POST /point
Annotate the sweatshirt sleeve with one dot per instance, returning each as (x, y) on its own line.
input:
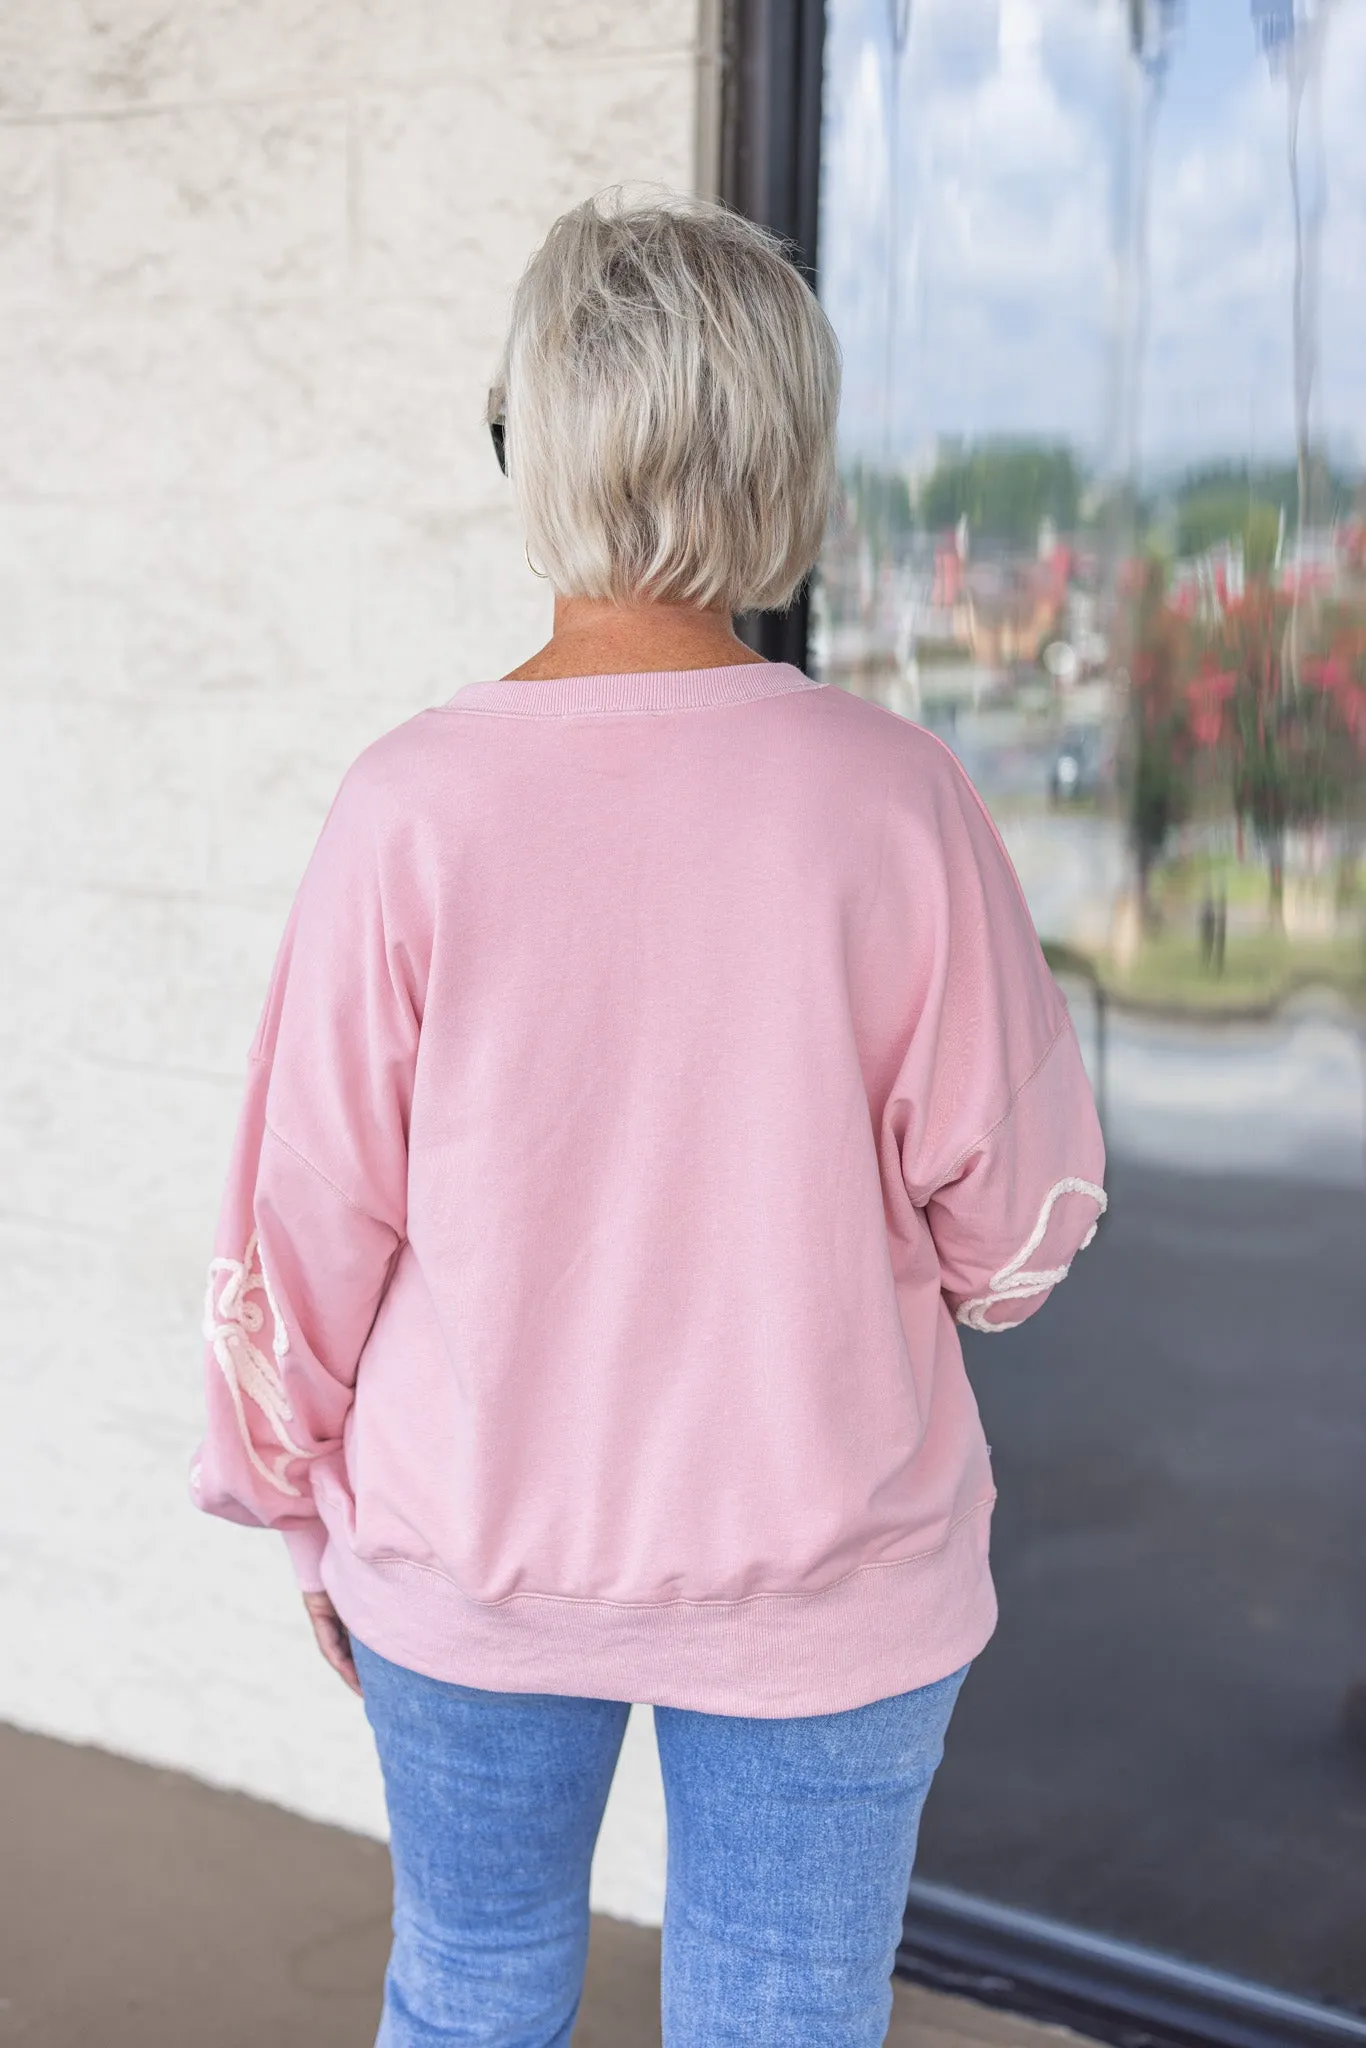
(1025, 1199)
(1001, 1147)
(313, 1212)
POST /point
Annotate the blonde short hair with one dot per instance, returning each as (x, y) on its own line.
(669, 385)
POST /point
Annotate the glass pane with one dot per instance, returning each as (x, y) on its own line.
(1095, 268)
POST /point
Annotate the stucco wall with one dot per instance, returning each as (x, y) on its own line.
(254, 260)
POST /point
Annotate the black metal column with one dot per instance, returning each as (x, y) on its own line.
(772, 57)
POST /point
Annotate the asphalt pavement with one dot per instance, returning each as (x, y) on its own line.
(1158, 1742)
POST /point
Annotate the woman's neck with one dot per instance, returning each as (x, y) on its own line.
(593, 637)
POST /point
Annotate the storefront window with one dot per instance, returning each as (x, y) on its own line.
(1096, 269)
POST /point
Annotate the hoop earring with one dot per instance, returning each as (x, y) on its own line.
(530, 564)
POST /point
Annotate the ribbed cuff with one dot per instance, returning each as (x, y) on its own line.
(306, 1547)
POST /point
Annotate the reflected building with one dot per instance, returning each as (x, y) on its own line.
(1103, 528)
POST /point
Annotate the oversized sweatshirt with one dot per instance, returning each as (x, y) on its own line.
(655, 1072)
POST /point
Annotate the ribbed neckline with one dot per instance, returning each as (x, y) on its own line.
(662, 689)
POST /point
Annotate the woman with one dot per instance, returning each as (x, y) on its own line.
(657, 1065)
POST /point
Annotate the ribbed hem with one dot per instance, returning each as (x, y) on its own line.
(883, 1629)
(664, 689)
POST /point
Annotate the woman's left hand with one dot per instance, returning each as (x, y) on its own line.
(333, 1639)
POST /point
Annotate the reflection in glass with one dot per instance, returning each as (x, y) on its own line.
(1093, 264)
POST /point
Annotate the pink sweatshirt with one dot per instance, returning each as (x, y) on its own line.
(654, 1070)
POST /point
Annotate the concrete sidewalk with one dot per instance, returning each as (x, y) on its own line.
(142, 1909)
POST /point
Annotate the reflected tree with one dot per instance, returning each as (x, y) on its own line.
(1005, 488)
(1292, 748)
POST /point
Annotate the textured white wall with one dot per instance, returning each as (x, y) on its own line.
(254, 262)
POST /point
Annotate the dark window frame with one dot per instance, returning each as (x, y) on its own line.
(771, 56)
(770, 148)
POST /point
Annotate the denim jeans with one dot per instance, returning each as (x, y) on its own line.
(790, 1845)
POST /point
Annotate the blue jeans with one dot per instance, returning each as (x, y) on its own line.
(790, 1845)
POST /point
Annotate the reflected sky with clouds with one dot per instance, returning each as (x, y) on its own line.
(1013, 115)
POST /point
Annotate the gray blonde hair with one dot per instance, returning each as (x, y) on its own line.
(669, 385)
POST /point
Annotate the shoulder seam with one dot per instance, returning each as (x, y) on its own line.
(1016, 1093)
(326, 1179)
